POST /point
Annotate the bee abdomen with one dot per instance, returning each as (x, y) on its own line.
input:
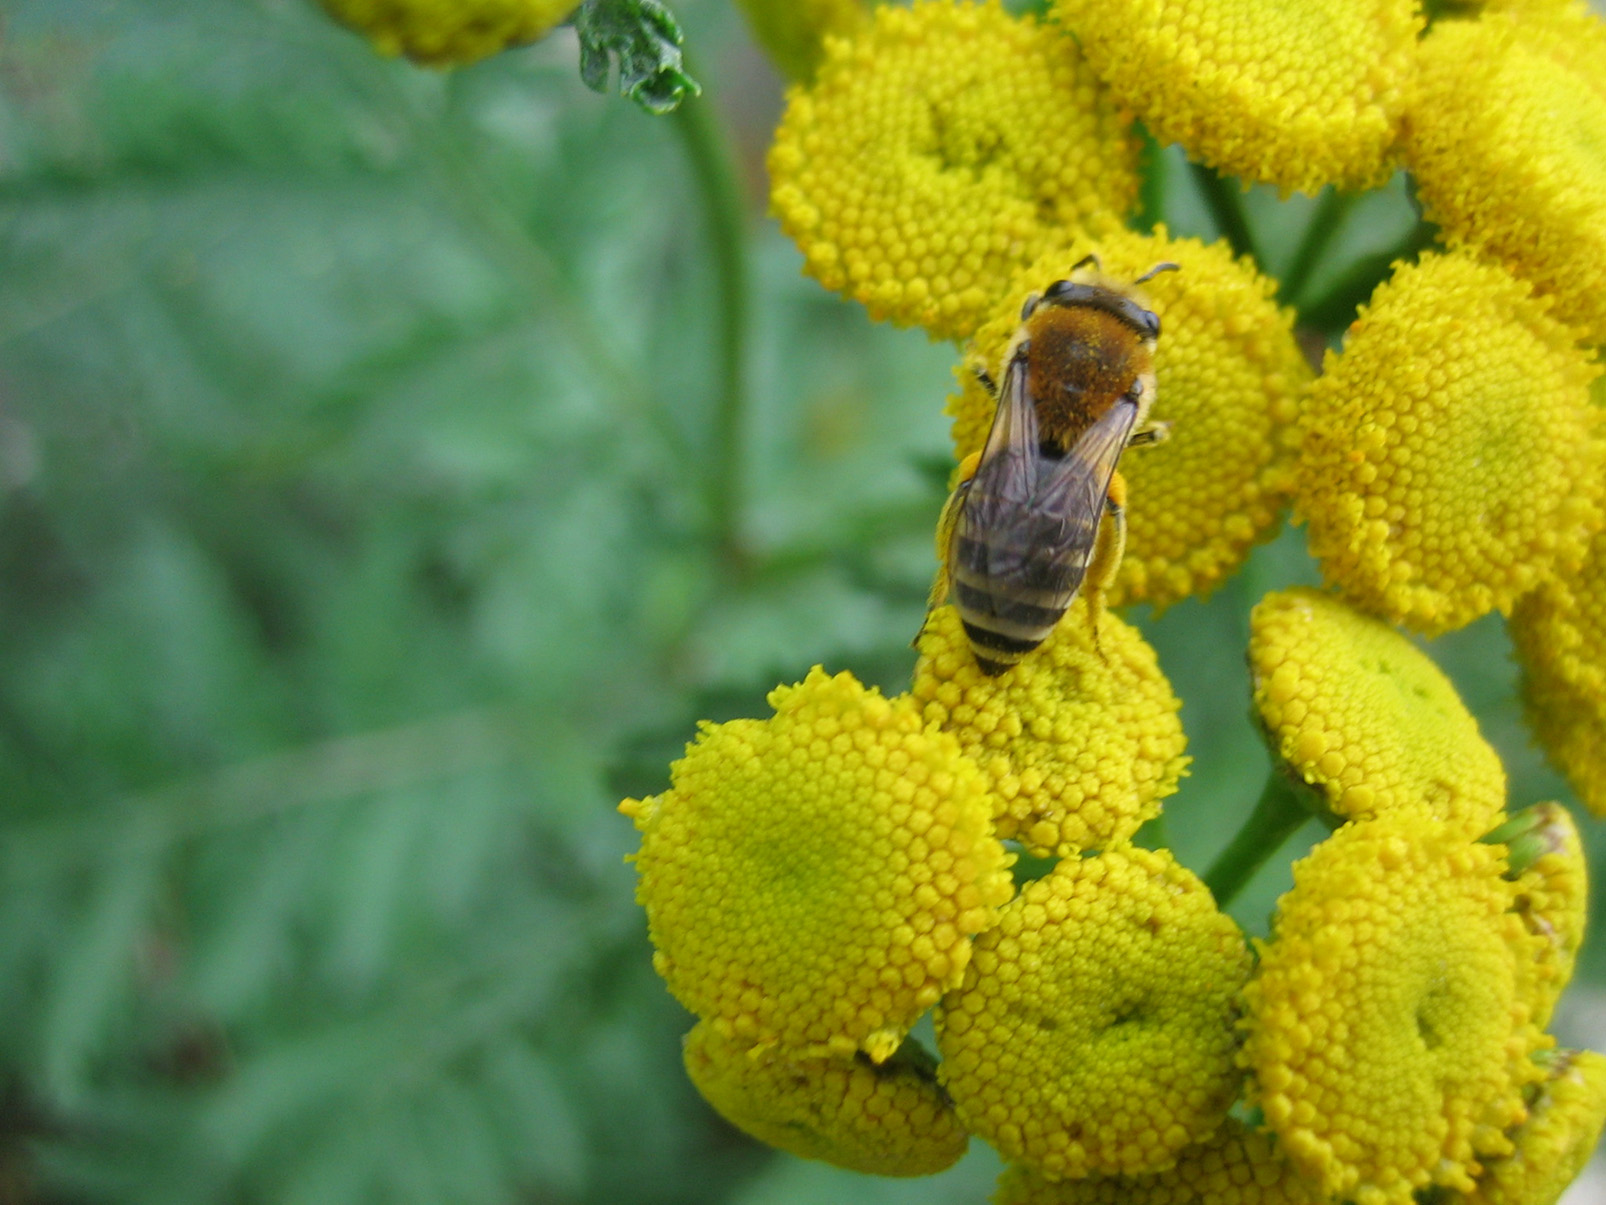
(1002, 626)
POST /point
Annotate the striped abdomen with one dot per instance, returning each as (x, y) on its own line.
(1015, 569)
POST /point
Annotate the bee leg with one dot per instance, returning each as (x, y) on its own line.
(985, 379)
(1154, 433)
(945, 539)
(1107, 550)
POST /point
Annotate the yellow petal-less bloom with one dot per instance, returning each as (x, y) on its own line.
(1094, 1032)
(1521, 182)
(1389, 1035)
(881, 1120)
(939, 152)
(1230, 377)
(793, 32)
(1297, 95)
(1553, 897)
(1079, 743)
(1235, 1166)
(447, 32)
(1358, 711)
(1556, 1141)
(1452, 456)
(1560, 634)
(813, 880)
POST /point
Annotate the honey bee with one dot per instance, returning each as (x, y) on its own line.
(1042, 508)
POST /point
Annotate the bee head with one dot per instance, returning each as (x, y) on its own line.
(1070, 293)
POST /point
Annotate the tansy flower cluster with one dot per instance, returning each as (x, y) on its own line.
(816, 881)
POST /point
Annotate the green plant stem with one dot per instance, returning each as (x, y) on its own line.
(725, 218)
(1225, 199)
(1278, 813)
(1336, 308)
(1331, 209)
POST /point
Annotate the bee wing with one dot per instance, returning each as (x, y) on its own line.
(1031, 519)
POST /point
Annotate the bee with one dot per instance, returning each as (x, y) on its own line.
(1041, 508)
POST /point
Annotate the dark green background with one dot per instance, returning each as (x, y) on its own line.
(357, 424)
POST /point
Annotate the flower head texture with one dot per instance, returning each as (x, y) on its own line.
(889, 1119)
(1361, 713)
(1552, 876)
(941, 150)
(1094, 1032)
(448, 32)
(1235, 1166)
(1230, 379)
(1078, 743)
(1297, 95)
(813, 880)
(1522, 182)
(1389, 1035)
(1563, 1126)
(1560, 634)
(1452, 456)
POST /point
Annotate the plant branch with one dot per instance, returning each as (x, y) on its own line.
(1277, 815)
(725, 218)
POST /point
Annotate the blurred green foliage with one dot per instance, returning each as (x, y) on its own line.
(358, 431)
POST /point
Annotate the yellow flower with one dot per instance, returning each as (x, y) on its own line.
(1560, 635)
(940, 151)
(1230, 376)
(1094, 1032)
(813, 880)
(1556, 1141)
(1521, 182)
(1389, 1033)
(1298, 95)
(1547, 862)
(1079, 744)
(882, 1120)
(447, 32)
(1234, 1167)
(1452, 457)
(1358, 711)
(793, 32)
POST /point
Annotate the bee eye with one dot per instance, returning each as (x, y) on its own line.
(1057, 290)
(1029, 305)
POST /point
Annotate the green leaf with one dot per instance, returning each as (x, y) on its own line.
(645, 37)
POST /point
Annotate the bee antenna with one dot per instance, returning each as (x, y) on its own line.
(1084, 261)
(1167, 266)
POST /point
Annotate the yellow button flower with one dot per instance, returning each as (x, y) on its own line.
(1452, 457)
(447, 32)
(882, 1120)
(1230, 378)
(1236, 1166)
(813, 880)
(1389, 1035)
(1547, 862)
(1521, 182)
(793, 32)
(1079, 743)
(1298, 95)
(1361, 713)
(1560, 635)
(944, 149)
(1556, 1141)
(1094, 1032)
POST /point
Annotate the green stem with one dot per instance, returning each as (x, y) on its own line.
(1336, 308)
(1225, 199)
(1277, 815)
(726, 220)
(1331, 209)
